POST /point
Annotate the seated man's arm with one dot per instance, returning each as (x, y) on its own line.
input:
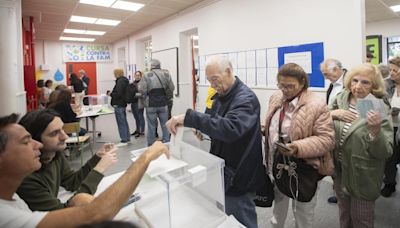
(107, 205)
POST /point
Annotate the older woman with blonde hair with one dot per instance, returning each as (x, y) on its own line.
(298, 133)
(118, 101)
(362, 146)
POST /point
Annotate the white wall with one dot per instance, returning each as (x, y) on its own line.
(231, 25)
(385, 28)
(12, 93)
(51, 54)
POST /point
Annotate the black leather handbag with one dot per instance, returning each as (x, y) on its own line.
(295, 178)
(265, 194)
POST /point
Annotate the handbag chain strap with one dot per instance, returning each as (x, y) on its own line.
(288, 165)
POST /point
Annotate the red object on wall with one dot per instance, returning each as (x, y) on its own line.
(89, 67)
(28, 47)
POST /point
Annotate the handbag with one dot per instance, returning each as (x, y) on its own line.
(295, 178)
(265, 194)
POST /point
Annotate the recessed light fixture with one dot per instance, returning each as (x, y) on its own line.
(95, 33)
(131, 6)
(395, 8)
(89, 20)
(86, 32)
(124, 5)
(104, 3)
(107, 22)
(77, 39)
(92, 20)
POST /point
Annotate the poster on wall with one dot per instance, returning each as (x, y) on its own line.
(87, 53)
(308, 56)
(374, 46)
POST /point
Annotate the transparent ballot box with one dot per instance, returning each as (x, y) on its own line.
(185, 191)
(101, 99)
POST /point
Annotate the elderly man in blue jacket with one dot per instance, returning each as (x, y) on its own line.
(234, 128)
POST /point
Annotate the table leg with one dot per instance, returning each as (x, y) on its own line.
(94, 129)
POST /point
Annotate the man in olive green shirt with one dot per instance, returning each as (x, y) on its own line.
(40, 189)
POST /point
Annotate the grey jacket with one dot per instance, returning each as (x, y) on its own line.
(155, 86)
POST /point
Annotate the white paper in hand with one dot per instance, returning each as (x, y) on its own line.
(175, 141)
(371, 103)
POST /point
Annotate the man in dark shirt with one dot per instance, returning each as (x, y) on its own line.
(85, 79)
(234, 128)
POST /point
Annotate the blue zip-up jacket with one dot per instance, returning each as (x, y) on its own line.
(234, 128)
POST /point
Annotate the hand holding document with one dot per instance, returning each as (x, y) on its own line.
(371, 103)
(163, 165)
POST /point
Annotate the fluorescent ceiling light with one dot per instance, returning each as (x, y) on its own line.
(77, 39)
(76, 31)
(89, 20)
(87, 32)
(395, 8)
(96, 33)
(107, 22)
(104, 3)
(131, 6)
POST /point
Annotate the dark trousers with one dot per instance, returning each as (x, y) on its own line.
(391, 163)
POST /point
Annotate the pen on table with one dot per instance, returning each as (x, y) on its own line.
(133, 198)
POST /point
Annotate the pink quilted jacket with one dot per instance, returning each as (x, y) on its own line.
(311, 128)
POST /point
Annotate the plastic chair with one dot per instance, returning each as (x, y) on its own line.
(76, 143)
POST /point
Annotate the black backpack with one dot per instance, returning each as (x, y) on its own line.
(130, 93)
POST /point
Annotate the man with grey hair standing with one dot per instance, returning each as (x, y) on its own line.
(333, 70)
(157, 86)
(234, 128)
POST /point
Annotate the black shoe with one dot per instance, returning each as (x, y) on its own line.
(156, 135)
(138, 135)
(388, 190)
(134, 133)
(332, 199)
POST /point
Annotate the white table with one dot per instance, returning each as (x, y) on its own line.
(94, 111)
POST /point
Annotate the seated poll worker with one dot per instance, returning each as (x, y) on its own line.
(234, 128)
(40, 189)
(20, 156)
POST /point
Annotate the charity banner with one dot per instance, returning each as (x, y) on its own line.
(87, 53)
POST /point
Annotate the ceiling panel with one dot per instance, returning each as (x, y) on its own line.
(52, 16)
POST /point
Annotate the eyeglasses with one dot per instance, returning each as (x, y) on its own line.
(286, 87)
(363, 83)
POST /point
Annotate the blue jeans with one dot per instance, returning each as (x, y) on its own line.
(139, 118)
(152, 113)
(123, 127)
(243, 208)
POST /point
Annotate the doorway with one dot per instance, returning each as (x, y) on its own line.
(90, 68)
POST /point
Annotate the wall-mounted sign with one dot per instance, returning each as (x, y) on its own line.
(87, 53)
(374, 46)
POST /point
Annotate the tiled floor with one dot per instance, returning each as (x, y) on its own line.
(387, 211)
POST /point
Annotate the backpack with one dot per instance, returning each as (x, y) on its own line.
(130, 93)
(168, 91)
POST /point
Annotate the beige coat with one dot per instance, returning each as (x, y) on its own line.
(311, 128)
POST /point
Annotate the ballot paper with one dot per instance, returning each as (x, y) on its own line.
(371, 103)
(163, 165)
